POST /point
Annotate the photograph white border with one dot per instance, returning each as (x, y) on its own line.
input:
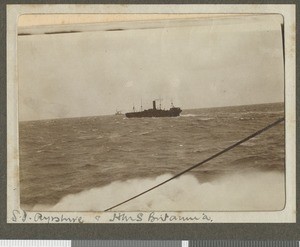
(16, 215)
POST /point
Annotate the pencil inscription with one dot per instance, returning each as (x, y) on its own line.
(21, 215)
(155, 217)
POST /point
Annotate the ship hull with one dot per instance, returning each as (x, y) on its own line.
(173, 112)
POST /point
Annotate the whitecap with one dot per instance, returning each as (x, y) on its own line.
(254, 190)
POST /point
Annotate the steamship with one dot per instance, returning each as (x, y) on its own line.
(154, 112)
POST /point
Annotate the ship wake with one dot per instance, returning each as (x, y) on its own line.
(253, 191)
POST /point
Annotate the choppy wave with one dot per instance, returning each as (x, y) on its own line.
(188, 115)
(254, 190)
(199, 117)
(206, 118)
(100, 150)
(264, 112)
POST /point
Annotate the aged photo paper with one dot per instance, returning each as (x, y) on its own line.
(151, 114)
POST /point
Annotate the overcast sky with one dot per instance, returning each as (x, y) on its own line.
(221, 62)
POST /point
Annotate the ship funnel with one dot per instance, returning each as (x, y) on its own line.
(154, 105)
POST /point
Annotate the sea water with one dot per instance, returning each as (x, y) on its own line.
(92, 163)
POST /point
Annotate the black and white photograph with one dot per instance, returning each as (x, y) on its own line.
(140, 113)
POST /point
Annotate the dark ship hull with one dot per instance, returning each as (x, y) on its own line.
(173, 112)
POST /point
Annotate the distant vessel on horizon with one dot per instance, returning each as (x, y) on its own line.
(154, 112)
(118, 113)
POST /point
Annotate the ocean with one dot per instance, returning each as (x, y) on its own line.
(91, 163)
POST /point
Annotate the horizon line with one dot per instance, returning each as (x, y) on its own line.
(44, 119)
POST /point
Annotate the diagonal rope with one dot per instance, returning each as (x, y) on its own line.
(202, 162)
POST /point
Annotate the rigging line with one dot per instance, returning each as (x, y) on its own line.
(202, 162)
